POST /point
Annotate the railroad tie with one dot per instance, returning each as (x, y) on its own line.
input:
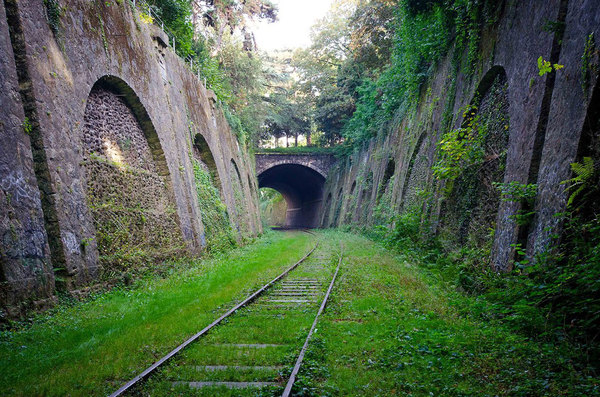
(239, 367)
(229, 385)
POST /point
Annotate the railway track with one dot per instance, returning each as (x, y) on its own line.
(258, 345)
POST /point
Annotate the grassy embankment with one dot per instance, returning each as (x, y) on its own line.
(91, 348)
(393, 327)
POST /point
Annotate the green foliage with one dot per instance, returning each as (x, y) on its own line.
(525, 194)
(553, 300)
(583, 181)
(298, 150)
(27, 126)
(516, 191)
(235, 123)
(176, 16)
(423, 32)
(461, 148)
(217, 227)
(209, 68)
(395, 326)
(546, 66)
(53, 13)
(589, 63)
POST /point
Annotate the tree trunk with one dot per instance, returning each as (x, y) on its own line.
(287, 140)
(296, 140)
(308, 139)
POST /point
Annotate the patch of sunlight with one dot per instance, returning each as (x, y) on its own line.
(113, 152)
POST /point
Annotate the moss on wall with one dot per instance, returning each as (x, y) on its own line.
(132, 205)
(217, 227)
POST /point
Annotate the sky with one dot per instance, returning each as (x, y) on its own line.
(292, 28)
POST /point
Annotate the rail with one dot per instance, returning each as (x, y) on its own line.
(145, 373)
(288, 388)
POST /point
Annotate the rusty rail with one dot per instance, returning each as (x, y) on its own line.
(288, 388)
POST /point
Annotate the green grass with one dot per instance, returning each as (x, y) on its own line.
(394, 328)
(281, 328)
(91, 348)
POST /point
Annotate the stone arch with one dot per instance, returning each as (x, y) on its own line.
(237, 185)
(129, 188)
(128, 96)
(209, 194)
(471, 207)
(203, 153)
(390, 170)
(312, 166)
(302, 188)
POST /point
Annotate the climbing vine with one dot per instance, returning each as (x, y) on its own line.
(461, 147)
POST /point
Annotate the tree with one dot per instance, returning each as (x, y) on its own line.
(215, 17)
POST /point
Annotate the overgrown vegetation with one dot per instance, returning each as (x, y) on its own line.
(370, 59)
(553, 300)
(298, 150)
(397, 326)
(92, 347)
(217, 227)
(215, 36)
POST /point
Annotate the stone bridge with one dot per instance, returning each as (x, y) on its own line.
(300, 178)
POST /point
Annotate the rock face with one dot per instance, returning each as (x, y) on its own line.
(102, 124)
(535, 127)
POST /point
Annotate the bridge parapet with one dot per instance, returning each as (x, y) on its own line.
(320, 163)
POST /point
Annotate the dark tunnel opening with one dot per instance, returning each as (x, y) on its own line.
(302, 189)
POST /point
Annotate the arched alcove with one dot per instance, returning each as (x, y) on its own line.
(241, 215)
(302, 189)
(390, 169)
(470, 209)
(209, 195)
(203, 153)
(128, 185)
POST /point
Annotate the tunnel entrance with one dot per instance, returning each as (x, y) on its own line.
(302, 189)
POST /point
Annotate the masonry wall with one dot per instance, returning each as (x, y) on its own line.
(537, 123)
(56, 167)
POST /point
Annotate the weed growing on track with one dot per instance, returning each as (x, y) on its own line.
(91, 348)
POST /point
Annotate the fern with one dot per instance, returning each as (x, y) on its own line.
(584, 177)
